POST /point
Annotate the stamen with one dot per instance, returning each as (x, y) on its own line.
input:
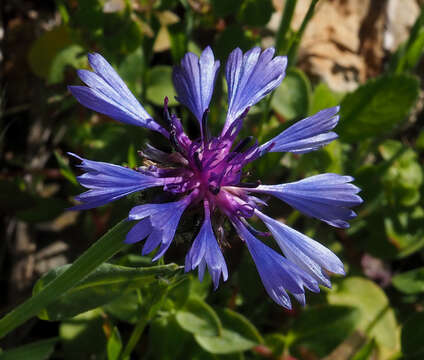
(214, 189)
(248, 184)
(175, 143)
(166, 115)
(240, 147)
(205, 129)
(197, 161)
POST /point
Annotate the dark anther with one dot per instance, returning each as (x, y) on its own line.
(197, 160)
(166, 115)
(214, 189)
(175, 143)
(242, 144)
(205, 128)
(249, 184)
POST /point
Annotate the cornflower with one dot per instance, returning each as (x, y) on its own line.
(207, 172)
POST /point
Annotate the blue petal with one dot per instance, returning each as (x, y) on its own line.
(306, 135)
(164, 219)
(205, 251)
(250, 77)
(306, 253)
(139, 232)
(107, 94)
(109, 182)
(278, 274)
(194, 81)
(327, 197)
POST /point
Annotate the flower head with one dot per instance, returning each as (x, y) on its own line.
(207, 172)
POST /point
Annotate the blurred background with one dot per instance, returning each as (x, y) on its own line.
(362, 54)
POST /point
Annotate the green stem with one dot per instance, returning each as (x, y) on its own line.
(286, 19)
(280, 46)
(102, 250)
(135, 336)
(297, 37)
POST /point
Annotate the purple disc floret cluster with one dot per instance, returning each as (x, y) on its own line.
(207, 172)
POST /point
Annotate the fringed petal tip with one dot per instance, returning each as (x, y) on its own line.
(250, 77)
(106, 93)
(306, 135)
(194, 81)
(327, 197)
(306, 253)
(278, 274)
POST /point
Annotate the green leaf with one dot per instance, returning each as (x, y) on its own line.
(105, 284)
(238, 334)
(46, 48)
(65, 169)
(131, 70)
(40, 350)
(167, 339)
(255, 12)
(199, 318)
(99, 252)
(323, 98)
(376, 318)
(377, 107)
(160, 85)
(410, 282)
(72, 55)
(233, 34)
(223, 8)
(291, 99)
(412, 337)
(125, 308)
(365, 352)
(321, 329)
(114, 345)
(83, 337)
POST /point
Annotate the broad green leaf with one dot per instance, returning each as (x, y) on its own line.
(377, 107)
(83, 337)
(40, 350)
(376, 318)
(412, 337)
(46, 48)
(223, 8)
(114, 344)
(167, 339)
(198, 318)
(131, 71)
(323, 98)
(233, 34)
(255, 12)
(404, 177)
(410, 282)
(291, 99)
(321, 329)
(105, 284)
(160, 85)
(238, 334)
(125, 308)
(72, 55)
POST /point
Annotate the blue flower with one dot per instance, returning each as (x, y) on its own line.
(207, 172)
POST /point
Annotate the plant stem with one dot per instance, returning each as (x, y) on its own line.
(135, 336)
(297, 37)
(281, 36)
(102, 250)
